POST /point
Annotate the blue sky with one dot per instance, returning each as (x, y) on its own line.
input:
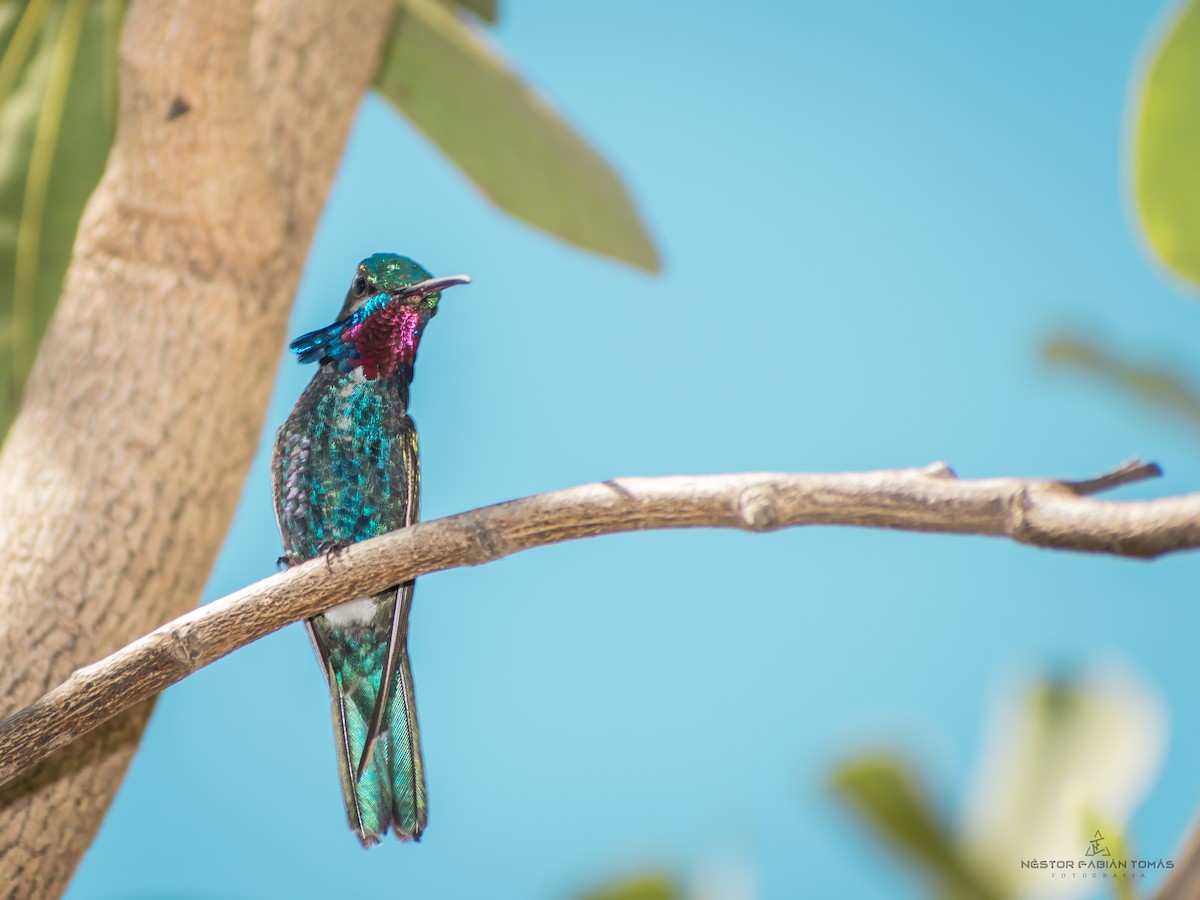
(908, 199)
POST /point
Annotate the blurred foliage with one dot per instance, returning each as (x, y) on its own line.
(650, 886)
(1166, 189)
(443, 76)
(1063, 759)
(57, 116)
(1155, 385)
(58, 98)
(1117, 846)
(1059, 758)
(485, 9)
(1166, 143)
(885, 793)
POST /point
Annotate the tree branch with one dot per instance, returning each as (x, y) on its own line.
(1183, 882)
(1055, 514)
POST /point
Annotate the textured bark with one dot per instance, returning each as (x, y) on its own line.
(1183, 882)
(1046, 513)
(121, 474)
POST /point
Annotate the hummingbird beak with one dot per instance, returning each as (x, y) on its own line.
(432, 286)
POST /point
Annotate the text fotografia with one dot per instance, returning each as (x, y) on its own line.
(1099, 863)
(1125, 869)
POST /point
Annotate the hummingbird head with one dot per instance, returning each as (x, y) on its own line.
(390, 300)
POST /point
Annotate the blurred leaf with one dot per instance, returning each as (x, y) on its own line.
(57, 116)
(885, 793)
(442, 75)
(485, 9)
(642, 887)
(1117, 846)
(1060, 755)
(1166, 144)
(1155, 385)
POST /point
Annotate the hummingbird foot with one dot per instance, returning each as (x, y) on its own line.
(330, 550)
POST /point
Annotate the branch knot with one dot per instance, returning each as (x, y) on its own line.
(757, 508)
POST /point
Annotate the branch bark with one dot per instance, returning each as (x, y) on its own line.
(1058, 514)
(1183, 882)
(121, 474)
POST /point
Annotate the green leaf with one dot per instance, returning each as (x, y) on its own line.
(642, 887)
(441, 74)
(886, 794)
(485, 9)
(1152, 384)
(1166, 144)
(57, 116)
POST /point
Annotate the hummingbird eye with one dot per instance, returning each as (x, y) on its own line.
(360, 285)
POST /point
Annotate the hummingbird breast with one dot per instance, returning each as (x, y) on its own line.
(345, 463)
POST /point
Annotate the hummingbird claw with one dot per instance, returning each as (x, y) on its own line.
(330, 550)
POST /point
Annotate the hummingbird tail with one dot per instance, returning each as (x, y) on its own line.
(387, 789)
(391, 790)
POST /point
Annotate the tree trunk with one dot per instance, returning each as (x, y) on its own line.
(121, 474)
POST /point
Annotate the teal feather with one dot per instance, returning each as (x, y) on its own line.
(390, 791)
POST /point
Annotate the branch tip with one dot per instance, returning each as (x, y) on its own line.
(1128, 473)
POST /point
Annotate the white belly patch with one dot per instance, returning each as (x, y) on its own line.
(360, 611)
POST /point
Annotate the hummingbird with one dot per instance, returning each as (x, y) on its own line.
(346, 468)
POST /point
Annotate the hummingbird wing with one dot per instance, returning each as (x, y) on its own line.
(338, 485)
(398, 634)
(368, 674)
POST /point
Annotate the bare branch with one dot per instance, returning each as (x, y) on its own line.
(1045, 513)
(1132, 471)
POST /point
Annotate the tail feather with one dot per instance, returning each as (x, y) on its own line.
(390, 792)
(406, 767)
(368, 803)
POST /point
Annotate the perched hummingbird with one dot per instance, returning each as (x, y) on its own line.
(346, 469)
